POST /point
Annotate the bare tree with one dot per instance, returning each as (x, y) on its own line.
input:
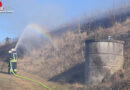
(7, 40)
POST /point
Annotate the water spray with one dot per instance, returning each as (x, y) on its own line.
(12, 69)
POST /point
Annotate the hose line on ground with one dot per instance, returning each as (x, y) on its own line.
(43, 85)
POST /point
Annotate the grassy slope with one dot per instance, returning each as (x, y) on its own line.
(70, 51)
(8, 82)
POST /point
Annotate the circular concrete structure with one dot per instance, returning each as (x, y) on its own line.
(103, 57)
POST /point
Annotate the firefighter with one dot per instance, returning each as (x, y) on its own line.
(12, 61)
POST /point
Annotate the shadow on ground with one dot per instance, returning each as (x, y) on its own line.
(73, 75)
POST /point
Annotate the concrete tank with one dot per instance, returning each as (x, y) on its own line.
(103, 57)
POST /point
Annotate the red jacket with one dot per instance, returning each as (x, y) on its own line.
(0, 4)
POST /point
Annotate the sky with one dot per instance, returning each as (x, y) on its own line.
(48, 13)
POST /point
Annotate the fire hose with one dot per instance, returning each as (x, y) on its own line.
(40, 83)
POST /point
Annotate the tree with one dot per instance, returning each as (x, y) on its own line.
(7, 40)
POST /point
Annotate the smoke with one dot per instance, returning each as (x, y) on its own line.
(45, 13)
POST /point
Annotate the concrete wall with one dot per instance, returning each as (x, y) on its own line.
(104, 57)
